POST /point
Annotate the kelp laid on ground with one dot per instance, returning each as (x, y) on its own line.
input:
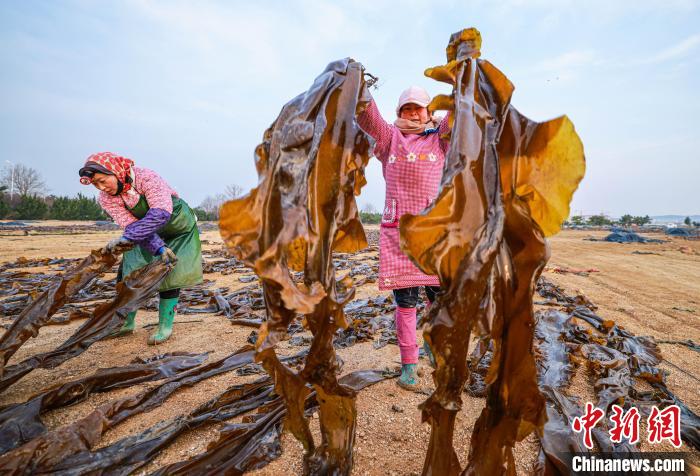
(620, 235)
(133, 452)
(23, 262)
(44, 452)
(617, 359)
(107, 318)
(507, 184)
(41, 309)
(26, 230)
(255, 442)
(244, 446)
(311, 165)
(20, 422)
(555, 368)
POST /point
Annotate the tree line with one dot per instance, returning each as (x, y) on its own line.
(22, 197)
(602, 220)
(624, 220)
(34, 207)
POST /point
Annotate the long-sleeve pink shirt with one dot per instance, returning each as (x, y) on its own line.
(412, 167)
(158, 194)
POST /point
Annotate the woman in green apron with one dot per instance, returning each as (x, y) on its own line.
(154, 218)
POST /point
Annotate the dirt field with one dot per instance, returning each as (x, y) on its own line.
(649, 294)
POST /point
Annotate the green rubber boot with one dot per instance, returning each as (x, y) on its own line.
(128, 327)
(166, 316)
(409, 377)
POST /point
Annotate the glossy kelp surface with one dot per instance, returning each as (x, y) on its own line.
(133, 452)
(310, 166)
(255, 442)
(20, 422)
(507, 183)
(46, 451)
(617, 361)
(40, 310)
(555, 368)
(106, 318)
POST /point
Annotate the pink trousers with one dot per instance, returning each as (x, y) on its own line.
(406, 334)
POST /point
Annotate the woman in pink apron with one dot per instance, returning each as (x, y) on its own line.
(412, 154)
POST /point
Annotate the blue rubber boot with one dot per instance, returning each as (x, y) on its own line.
(409, 377)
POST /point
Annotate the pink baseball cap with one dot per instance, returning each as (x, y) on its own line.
(413, 95)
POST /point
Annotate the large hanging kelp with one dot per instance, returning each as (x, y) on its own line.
(507, 183)
(311, 165)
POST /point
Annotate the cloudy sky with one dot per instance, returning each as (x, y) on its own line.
(187, 88)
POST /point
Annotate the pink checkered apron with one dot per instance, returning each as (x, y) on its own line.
(412, 167)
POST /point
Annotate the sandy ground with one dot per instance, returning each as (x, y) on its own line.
(648, 294)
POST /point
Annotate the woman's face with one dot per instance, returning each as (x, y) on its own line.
(105, 183)
(414, 112)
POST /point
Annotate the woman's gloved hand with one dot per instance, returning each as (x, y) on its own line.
(113, 245)
(167, 255)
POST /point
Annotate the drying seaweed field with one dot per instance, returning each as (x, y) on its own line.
(614, 321)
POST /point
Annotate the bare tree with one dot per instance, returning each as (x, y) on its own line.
(233, 191)
(212, 203)
(23, 180)
(369, 208)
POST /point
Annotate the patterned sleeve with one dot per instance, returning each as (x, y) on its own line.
(444, 128)
(372, 122)
(114, 206)
(156, 190)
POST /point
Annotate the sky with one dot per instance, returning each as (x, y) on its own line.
(188, 88)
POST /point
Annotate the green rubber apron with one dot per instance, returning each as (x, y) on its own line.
(180, 235)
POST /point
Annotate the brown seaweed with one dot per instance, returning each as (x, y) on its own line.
(133, 452)
(57, 229)
(311, 165)
(616, 358)
(243, 445)
(555, 367)
(484, 238)
(49, 301)
(131, 292)
(20, 422)
(253, 444)
(46, 451)
(479, 364)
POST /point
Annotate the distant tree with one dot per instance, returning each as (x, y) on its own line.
(30, 207)
(370, 218)
(577, 220)
(626, 220)
(641, 220)
(202, 215)
(369, 208)
(212, 203)
(4, 206)
(61, 209)
(233, 191)
(79, 208)
(599, 220)
(23, 180)
(688, 221)
(696, 223)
